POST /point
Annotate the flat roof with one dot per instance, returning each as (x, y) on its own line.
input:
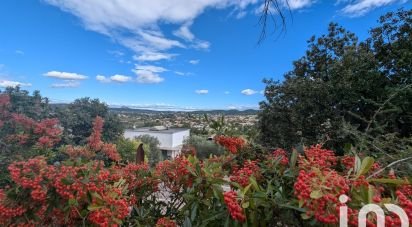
(164, 131)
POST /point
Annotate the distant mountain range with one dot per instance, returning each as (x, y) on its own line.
(126, 109)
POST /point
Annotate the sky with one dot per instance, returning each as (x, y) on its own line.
(164, 54)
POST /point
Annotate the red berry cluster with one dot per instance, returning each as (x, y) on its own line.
(139, 179)
(94, 139)
(405, 199)
(44, 133)
(281, 154)
(4, 103)
(235, 210)
(79, 152)
(80, 186)
(32, 174)
(242, 175)
(175, 173)
(165, 222)
(49, 131)
(7, 212)
(232, 144)
(111, 214)
(96, 144)
(319, 191)
(317, 157)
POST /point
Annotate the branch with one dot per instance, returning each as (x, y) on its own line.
(267, 12)
(392, 96)
(391, 164)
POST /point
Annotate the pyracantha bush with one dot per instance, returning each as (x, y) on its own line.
(232, 144)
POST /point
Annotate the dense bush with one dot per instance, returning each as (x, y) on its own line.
(91, 186)
(204, 147)
(151, 148)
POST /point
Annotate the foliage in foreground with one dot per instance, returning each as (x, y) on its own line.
(245, 186)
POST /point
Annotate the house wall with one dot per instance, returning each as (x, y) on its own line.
(180, 137)
(167, 140)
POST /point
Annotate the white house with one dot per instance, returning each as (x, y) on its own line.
(171, 139)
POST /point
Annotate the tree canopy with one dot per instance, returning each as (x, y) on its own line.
(343, 80)
(77, 117)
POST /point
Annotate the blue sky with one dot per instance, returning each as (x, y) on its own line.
(162, 54)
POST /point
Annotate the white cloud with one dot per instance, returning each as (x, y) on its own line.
(202, 92)
(157, 106)
(361, 7)
(158, 41)
(67, 84)
(194, 61)
(298, 4)
(201, 44)
(248, 92)
(149, 74)
(65, 75)
(102, 79)
(19, 52)
(180, 73)
(9, 83)
(151, 68)
(184, 32)
(120, 78)
(153, 56)
(286, 4)
(149, 78)
(115, 78)
(227, 92)
(136, 23)
(116, 53)
(243, 107)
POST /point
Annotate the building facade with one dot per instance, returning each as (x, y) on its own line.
(171, 139)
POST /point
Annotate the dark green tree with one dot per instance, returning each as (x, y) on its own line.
(77, 117)
(32, 105)
(341, 80)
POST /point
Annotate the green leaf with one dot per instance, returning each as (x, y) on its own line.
(66, 181)
(97, 196)
(245, 190)
(347, 147)
(187, 223)
(194, 212)
(389, 181)
(305, 216)
(301, 202)
(293, 158)
(94, 207)
(254, 183)
(245, 205)
(72, 202)
(316, 194)
(84, 213)
(300, 209)
(118, 221)
(366, 165)
(358, 163)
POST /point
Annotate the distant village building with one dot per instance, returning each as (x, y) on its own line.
(171, 139)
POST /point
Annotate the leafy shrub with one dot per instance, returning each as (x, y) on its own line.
(241, 187)
(203, 147)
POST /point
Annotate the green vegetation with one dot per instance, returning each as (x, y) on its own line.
(343, 83)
